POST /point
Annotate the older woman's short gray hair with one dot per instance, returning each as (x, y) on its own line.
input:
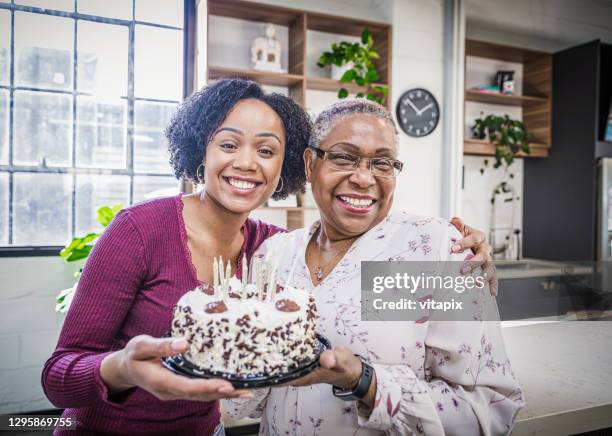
(341, 109)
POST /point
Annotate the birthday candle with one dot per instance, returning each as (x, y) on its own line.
(228, 275)
(245, 274)
(272, 285)
(259, 280)
(221, 276)
(215, 277)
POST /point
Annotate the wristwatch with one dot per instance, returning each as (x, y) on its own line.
(359, 391)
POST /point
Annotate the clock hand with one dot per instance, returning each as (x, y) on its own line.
(416, 109)
(424, 109)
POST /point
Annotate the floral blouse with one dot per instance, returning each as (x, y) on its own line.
(433, 377)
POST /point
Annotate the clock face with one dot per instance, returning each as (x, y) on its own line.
(417, 112)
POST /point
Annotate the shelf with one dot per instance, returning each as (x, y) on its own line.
(480, 147)
(326, 84)
(488, 50)
(263, 77)
(503, 99)
(245, 10)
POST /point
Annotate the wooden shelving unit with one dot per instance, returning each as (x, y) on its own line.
(481, 147)
(503, 99)
(299, 22)
(536, 101)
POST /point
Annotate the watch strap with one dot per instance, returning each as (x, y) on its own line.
(360, 390)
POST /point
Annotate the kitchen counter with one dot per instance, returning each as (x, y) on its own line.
(514, 269)
(565, 371)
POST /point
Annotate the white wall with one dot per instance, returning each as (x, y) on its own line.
(29, 327)
(418, 37)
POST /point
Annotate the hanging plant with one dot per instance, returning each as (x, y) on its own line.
(363, 71)
(509, 137)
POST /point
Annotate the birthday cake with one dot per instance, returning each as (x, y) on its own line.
(242, 328)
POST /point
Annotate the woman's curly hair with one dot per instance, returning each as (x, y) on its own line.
(199, 116)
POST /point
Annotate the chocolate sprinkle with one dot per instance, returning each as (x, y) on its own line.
(216, 307)
(286, 305)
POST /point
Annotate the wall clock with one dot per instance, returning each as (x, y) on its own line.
(417, 112)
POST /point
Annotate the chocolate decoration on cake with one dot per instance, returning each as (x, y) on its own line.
(235, 295)
(287, 305)
(216, 307)
(207, 289)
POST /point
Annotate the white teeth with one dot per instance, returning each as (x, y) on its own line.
(357, 202)
(241, 184)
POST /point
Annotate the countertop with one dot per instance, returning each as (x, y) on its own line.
(565, 371)
(524, 268)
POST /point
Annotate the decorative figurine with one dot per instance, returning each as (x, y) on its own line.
(266, 51)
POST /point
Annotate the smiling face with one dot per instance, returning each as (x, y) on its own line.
(353, 202)
(244, 158)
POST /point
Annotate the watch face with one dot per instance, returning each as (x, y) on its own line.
(417, 112)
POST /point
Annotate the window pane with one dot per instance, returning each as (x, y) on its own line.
(4, 186)
(41, 210)
(147, 187)
(108, 8)
(150, 146)
(43, 128)
(101, 133)
(169, 12)
(92, 192)
(102, 63)
(43, 57)
(5, 44)
(58, 5)
(158, 63)
(4, 130)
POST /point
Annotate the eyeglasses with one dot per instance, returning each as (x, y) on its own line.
(341, 161)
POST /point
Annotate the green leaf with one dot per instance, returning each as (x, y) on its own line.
(348, 76)
(371, 76)
(325, 59)
(360, 81)
(105, 215)
(366, 38)
(343, 93)
(79, 253)
(360, 95)
(76, 246)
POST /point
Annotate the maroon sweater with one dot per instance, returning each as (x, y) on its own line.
(134, 276)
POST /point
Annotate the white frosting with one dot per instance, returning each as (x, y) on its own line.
(251, 336)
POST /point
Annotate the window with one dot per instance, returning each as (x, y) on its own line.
(86, 90)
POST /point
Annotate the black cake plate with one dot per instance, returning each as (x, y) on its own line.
(181, 366)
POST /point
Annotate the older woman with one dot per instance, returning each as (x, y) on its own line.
(413, 377)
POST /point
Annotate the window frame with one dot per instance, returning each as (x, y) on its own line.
(189, 53)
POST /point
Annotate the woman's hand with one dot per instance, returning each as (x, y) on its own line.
(339, 367)
(138, 364)
(476, 240)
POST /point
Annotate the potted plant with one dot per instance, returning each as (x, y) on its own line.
(356, 61)
(78, 249)
(509, 137)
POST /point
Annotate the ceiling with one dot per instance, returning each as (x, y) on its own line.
(548, 25)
